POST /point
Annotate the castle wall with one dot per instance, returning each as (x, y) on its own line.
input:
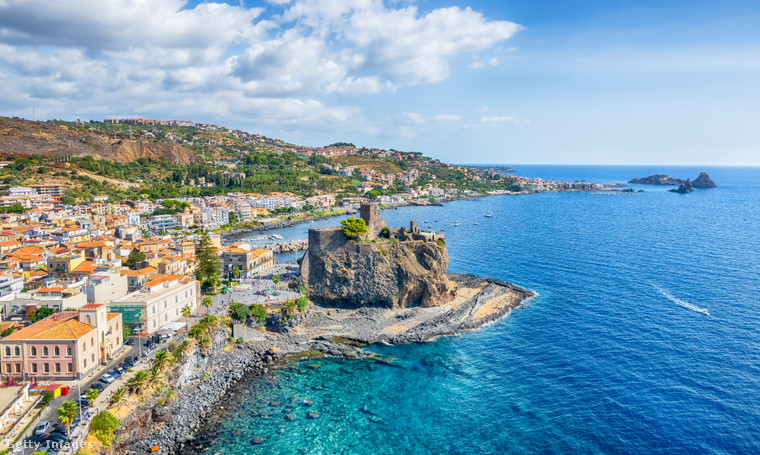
(371, 216)
(326, 239)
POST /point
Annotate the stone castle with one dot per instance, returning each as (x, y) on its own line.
(391, 268)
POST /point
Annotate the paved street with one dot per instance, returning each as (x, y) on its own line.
(248, 291)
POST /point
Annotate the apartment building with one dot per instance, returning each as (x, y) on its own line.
(158, 302)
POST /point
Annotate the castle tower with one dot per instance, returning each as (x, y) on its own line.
(371, 216)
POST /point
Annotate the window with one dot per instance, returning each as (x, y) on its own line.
(164, 304)
(34, 350)
(93, 358)
(117, 341)
(57, 367)
(18, 368)
(69, 368)
(85, 363)
(8, 368)
(92, 341)
(68, 351)
(45, 351)
(17, 351)
(87, 318)
(46, 367)
(166, 317)
(57, 351)
(154, 310)
(34, 368)
(8, 351)
(84, 347)
(117, 326)
(176, 298)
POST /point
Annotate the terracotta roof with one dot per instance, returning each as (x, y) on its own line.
(91, 306)
(112, 315)
(60, 326)
(50, 290)
(91, 245)
(86, 267)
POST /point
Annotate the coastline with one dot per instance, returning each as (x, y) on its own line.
(185, 424)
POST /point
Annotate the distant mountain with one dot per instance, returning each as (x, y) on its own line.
(657, 179)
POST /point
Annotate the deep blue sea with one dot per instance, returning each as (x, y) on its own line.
(613, 356)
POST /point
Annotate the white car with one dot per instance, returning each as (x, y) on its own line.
(42, 428)
(107, 378)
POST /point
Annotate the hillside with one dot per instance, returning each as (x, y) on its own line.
(53, 139)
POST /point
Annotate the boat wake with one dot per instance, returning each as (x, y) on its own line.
(680, 302)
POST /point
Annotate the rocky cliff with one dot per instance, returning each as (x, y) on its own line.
(386, 273)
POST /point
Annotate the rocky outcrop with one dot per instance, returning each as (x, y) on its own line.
(386, 273)
(657, 179)
(703, 181)
(685, 187)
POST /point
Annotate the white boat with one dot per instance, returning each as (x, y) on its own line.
(456, 223)
(489, 213)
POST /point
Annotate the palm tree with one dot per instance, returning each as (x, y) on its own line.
(186, 312)
(92, 395)
(185, 347)
(67, 412)
(155, 374)
(162, 360)
(211, 323)
(275, 280)
(204, 343)
(207, 302)
(196, 331)
(118, 395)
(136, 384)
(238, 311)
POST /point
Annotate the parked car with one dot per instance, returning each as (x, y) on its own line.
(98, 386)
(113, 373)
(129, 342)
(42, 428)
(107, 378)
(57, 437)
(121, 369)
(59, 428)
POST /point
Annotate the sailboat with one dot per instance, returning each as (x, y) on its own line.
(488, 214)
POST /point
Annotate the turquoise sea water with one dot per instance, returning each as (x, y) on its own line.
(613, 356)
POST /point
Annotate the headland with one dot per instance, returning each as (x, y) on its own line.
(372, 285)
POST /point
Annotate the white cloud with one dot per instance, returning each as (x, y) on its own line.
(505, 119)
(293, 61)
(493, 62)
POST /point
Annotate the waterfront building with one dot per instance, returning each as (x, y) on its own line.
(158, 302)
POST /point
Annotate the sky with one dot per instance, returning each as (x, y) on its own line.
(467, 81)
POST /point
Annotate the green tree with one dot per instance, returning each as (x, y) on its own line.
(238, 311)
(118, 396)
(276, 280)
(258, 312)
(137, 383)
(354, 228)
(92, 395)
(161, 360)
(104, 426)
(186, 312)
(41, 313)
(126, 331)
(67, 412)
(236, 272)
(302, 303)
(135, 256)
(207, 302)
(208, 266)
(196, 331)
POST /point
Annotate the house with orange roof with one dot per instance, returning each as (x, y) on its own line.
(65, 345)
(136, 278)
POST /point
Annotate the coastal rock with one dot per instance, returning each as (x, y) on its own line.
(406, 269)
(684, 188)
(657, 179)
(703, 181)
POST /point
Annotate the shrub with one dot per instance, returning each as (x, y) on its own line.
(240, 340)
(386, 232)
(354, 228)
(103, 427)
(47, 397)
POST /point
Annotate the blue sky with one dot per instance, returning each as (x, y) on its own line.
(547, 82)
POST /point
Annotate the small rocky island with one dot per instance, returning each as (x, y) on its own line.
(684, 186)
(657, 179)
